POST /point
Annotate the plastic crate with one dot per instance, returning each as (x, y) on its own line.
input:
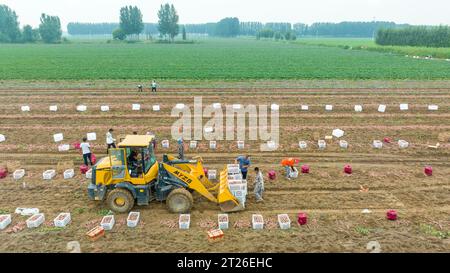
(402, 144)
(403, 106)
(68, 174)
(49, 174)
(274, 107)
(27, 211)
(63, 147)
(213, 144)
(381, 108)
(5, 220)
(329, 107)
(217, 105)
(165, 143)
(18, 174)
(305, 107)
(25, 108)
(107, 222)
(343, 144)
(156, 108)
(322, 144)
(89, 174)
(271, 145)
(135, 107)
(241, 144)
(81, 108)
(193, 144)
(91, 136)
(293, 174)
(133, 219)
(184, 221)
(104, 108)
(58, 137)
(53, 108)
(212, 174)
(2, 138)
(180, 106)
(62, 220)
(433, 107)
(223, 221)
(302, 144)
(284, 221)
(377, 144)
(35, 220)
(95, 233)
(358, 108)
(257, 221)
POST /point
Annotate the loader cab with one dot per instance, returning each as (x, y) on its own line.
(134, 160)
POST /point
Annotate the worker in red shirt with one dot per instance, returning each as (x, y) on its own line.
(288, 164)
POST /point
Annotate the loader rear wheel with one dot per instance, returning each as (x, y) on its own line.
(120, 200)
(179, 201)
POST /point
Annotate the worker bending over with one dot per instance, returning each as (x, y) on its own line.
(288, 164)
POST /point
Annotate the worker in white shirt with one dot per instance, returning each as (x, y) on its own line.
(110, 140)
(86, 150)
(154, 85)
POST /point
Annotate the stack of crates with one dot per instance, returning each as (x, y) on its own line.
(236, 185)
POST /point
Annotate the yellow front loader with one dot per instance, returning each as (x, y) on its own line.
(131, 175)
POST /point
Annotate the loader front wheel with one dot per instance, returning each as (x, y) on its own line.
(179, 201)
(120, 200)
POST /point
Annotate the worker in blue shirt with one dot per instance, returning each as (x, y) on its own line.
(244, 163)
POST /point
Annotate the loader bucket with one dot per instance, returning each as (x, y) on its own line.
(227, 202)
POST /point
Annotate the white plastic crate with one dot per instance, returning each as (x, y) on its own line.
(433, 107)
(358, 108)
(53, 108)
(180, 106)
(107, 222)
(322, 144)
(68, 174)
(63, 147)
(193, 144)
(35, 220)
(184, 221)
(284, 221)
(81, 108)
(104, 108)
(156, 108)
(238, 187)
(233, 169)
(305, 107)
(5, 220)
(329, 107)
(18, 174)
(212, 174)
(217, 105)
(209, 129)
(49, 174)
(235, 176)
(293, 174)
(381, 108)
(274, 107)
(91, 136)
(271, 145)
(58, 137)
(377, 144)
(257, 221)
(223, 221)
(343, 144)
(2, 138)
(402, 144)
(338, 133)
(135, 107)
(26, 211)
(403, 106)
(25, 108)
(302, 144)
(89, 174)
(240, 144)
(133, 219)
(212, 144)
(62, 220)
(237, 106)
(165, 143)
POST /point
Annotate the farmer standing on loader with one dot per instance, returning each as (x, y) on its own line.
(110, 140)
(288, 164)
(259, 185)
(244, 163)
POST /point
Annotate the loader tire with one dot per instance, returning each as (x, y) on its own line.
(179, 201)
(120, 200)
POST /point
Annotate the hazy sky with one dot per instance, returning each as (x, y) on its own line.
(202, 11)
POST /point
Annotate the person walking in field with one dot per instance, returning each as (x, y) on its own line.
(288, 164)
(154, 85)
(110, 140)
(244, 163)
(180, 148)
(86, 151)
(259, 185)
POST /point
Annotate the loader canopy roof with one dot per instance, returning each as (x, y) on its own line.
(136, 141)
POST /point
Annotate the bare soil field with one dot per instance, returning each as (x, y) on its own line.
(332, 200)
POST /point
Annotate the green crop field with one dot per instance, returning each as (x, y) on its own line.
(210, 59)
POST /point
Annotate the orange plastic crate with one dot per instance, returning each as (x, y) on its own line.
(96, 233)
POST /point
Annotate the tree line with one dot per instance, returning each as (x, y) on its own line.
(49, 30)
(415, 36)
